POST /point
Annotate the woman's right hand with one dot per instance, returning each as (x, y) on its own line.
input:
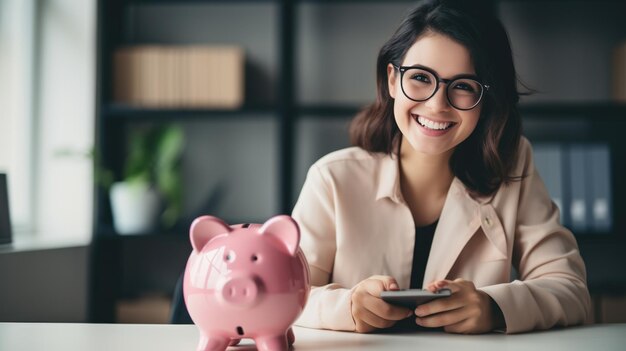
(369, 311)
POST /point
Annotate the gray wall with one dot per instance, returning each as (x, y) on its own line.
(231, 168)
(564, 49)
(337, 47)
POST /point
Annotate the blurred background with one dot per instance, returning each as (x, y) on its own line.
(122, 120)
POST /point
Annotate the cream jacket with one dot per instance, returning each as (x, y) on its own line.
(355, 224)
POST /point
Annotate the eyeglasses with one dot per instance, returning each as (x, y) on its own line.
(421, 83)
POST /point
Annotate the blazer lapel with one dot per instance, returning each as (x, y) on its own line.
(460, 219)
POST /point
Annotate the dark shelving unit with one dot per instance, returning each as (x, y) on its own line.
(601, 121)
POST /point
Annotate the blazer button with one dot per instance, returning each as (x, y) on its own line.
(487, 221)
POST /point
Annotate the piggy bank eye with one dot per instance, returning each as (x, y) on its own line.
(254, 258)
(230, 256)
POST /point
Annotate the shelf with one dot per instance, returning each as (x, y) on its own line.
(563, 110)
(121, 112)
(603, 237)
(559, 110)
(108, 233)
(180, 231)
(323, 110)
(605, 111)
(183, 2)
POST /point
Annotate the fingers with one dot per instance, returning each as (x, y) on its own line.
(444, 318)
(458, 289)
(388, 311)
(467, 326)
(369, 310)
(436, 285)
(461, 327)
(379, 283)
(454, 286)
(379, 307)
(374, 320)
(362, 327)
(439, 306)
(465, 311)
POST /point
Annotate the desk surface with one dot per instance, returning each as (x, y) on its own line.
(70, 337)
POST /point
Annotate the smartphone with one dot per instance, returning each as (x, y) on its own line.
(411, 298)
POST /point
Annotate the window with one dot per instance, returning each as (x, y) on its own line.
(47, 91)
(16, 93)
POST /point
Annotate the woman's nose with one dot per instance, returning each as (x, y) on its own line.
(439, 101)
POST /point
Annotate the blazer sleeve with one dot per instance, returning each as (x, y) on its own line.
(329, 305)
(552, 288)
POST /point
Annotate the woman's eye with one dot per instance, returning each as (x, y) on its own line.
(421, 78)
(464, 86)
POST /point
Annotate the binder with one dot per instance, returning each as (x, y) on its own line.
(548, 162)
(579, 209)
(599, 160)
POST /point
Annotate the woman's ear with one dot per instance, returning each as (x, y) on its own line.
(391, 80)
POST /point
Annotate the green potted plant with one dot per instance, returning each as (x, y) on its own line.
(151, 180)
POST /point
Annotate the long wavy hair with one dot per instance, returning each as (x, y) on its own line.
(486, 158)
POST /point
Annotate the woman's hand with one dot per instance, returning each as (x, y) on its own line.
(369, 311)
(466, 311)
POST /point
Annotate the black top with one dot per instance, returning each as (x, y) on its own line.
(423, 242)
(421, 251)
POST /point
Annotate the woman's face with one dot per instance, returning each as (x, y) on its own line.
(433, 126)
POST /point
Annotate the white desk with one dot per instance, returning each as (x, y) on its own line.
(133, 337)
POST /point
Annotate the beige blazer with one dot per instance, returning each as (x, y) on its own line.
(355, 224)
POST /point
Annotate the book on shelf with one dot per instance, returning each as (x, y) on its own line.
(579, 192)
(179, 76)
(599, 161)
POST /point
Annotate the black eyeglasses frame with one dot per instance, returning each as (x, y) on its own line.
(403, 69)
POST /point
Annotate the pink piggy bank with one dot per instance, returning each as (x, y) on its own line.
(245, 281)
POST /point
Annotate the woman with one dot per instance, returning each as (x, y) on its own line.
(440, 191)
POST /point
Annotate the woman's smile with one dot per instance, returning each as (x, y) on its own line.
(433, 125)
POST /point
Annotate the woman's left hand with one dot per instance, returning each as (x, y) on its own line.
(466, 311)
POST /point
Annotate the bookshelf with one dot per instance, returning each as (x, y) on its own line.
(302, 87)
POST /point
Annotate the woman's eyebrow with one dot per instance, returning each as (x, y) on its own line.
(464, 74)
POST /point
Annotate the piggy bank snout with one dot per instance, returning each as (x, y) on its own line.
(242, 291)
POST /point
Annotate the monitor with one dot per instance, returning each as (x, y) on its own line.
(5, 219)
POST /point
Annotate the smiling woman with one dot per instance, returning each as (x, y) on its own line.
(439, 191)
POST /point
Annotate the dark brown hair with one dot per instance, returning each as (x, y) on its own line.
(486, 158)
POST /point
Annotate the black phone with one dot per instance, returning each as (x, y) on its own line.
(411, 298)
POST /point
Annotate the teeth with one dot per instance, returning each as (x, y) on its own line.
(432, 125)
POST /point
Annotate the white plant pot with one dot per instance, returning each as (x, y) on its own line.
(135, 207)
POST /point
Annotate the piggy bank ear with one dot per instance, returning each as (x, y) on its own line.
(285, 229)
(205, 228)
